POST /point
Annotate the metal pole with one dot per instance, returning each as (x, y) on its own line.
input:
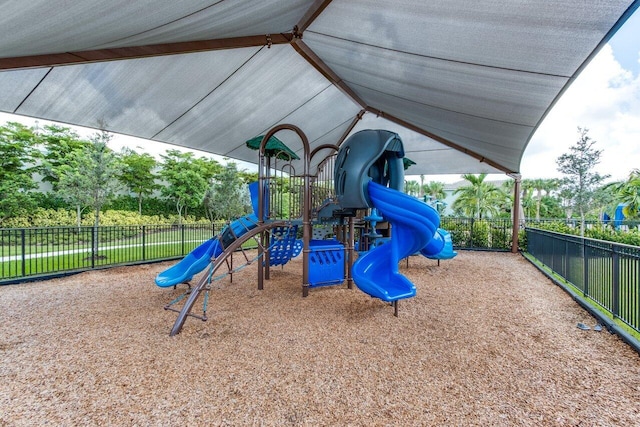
(264, 237)
(94, 231)
(350, 253)
(24, 259)
(261, 214)
(615, 285)
(585, 269)
(516, 212)
(306, 211)
(144, 247)
(182, 238)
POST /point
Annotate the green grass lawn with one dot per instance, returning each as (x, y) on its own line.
(157, 246)
(82, 259)
(50, 241)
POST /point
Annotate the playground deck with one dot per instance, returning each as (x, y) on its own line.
(487, 340)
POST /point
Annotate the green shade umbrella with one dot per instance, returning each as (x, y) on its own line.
(274, 148)
(406, 162)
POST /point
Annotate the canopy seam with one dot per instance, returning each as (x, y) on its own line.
(157, 26)
(438, 108)
(456, 61)
(32, 90)
(208, 93)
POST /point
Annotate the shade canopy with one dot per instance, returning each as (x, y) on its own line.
(465, 83)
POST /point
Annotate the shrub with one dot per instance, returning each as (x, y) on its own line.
(597, 231)
(480, 234)
(500, 234)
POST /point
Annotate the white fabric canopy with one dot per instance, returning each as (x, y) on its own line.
(465, 83)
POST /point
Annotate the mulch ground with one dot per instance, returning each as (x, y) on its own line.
(488, 340)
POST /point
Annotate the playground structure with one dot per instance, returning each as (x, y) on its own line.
(620, 215)
(362, 182)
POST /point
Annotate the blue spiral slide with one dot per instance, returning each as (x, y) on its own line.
(414, 226)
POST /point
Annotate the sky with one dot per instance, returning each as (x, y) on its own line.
(605, 99)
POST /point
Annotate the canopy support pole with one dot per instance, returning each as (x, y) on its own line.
(516, 212)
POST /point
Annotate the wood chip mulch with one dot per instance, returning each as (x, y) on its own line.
(487, 341)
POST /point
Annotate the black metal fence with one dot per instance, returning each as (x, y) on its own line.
(606, 273)
(27, 252)
(478, 234)
(43, 252)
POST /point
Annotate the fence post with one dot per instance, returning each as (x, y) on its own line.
(615, 281)
(182, 238)
(144, 242)
(504, 233)
(585, 268)
(24, 257)
(566, 262)
(94, 231)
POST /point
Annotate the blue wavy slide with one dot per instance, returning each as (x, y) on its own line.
(414, 225)
(199, 258)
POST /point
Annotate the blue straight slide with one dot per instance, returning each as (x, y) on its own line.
(199, 258)
(414, 223)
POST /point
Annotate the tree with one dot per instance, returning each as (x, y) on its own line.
(479, 198)
(412, 188)
(187, 178)
(630, 194)
(138, 174)
(89, 179)
(17, 158)
(566, 200)
(627, 192)
(228, 196)
(581, 180)
(72, 183)
(58, 143)
(542, 186)
(248, 177)
(538, 185)
(435, 190)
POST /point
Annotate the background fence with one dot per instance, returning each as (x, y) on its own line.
(479, 234)
(44, 252)
(606, 273)
(27, 252)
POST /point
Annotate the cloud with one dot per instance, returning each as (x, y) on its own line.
(605, 99)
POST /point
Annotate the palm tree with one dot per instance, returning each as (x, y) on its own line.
(528, 204)
(435, 190)
(434, 194)
(507, 186)
(543, 185)
(479, 198)
(629, 193)
(412, 188)
(537, 185)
